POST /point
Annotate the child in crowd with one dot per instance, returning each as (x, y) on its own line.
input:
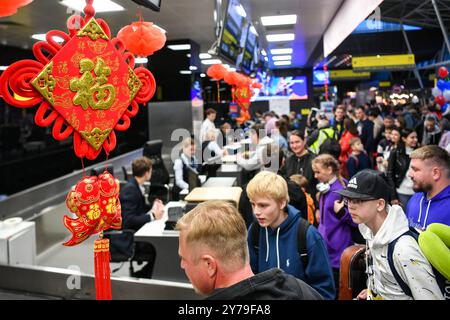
(303, 183)
(335, 223)
(384, 149)
(274, 241)
(358, 159)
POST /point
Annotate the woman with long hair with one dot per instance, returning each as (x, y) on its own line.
(405, 141)
(300, 160)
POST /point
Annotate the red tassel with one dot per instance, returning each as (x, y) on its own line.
(218, 92)
(102, 269)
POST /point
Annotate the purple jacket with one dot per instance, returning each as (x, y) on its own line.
(335, 230)
(445, 140)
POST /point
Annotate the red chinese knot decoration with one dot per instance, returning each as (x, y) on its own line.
(241, 92)
(86, 86)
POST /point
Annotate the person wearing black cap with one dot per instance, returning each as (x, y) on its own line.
(408, 275)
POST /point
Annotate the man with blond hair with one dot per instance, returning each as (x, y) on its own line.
(430, 173)
(214, 255)
(279, 237)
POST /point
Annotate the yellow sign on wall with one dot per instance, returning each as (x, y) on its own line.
(347, 74)
(386, 62)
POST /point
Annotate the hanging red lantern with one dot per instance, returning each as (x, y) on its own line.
(142, 38)
(443, 72)
(9, 7)
(231, 78)
(216, 71)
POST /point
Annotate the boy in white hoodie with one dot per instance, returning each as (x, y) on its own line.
(367, 196)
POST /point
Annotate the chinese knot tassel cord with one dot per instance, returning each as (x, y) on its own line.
(218, 93)
(89, 10)
(102, 269)
(232, 94)
(82, 166)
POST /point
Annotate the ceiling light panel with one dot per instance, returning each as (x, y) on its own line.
(140, 60)
(279, 20)
(205, 56)
(281, 51)
(177, 47)
(280, 37)
(279, 58)
(99, 6)
(211, 61)
(282, 63)
(41, 37)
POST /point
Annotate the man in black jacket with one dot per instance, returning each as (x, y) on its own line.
(136, 213)
(214, 254)
(365, 130)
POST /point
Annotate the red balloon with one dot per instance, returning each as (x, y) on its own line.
(443, 72)
(216, 71)
(440, 100)
(142, 38)
(9, 7)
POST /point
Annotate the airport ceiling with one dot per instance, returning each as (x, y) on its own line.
(182, 19)
(193, 19)
(416, 12)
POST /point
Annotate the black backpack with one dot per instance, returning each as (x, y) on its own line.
(301, 240)
(440, 279)
(330, 145)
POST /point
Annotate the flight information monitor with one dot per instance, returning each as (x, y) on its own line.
(230, 41)
(248, 59)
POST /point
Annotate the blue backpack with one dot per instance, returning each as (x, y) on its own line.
(440, 279)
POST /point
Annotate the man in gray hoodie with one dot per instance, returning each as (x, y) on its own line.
(429, 132)
(395, 272)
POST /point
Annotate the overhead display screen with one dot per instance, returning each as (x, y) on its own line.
(248, 59)
(293, 88)
(230, 43)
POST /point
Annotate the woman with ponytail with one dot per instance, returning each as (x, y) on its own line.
(335, 223)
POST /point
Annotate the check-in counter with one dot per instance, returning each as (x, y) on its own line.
(167, 262)
(231, 170)
(231, 194)
(61, 272)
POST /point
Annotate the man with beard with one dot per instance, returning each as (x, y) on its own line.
(430, 173)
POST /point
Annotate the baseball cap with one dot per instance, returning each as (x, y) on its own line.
(367, 185)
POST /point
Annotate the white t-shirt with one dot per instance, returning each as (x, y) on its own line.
(406, 187)
(207, 125)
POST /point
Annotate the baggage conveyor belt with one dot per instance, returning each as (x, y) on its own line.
(48, 283)
(15, 295)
